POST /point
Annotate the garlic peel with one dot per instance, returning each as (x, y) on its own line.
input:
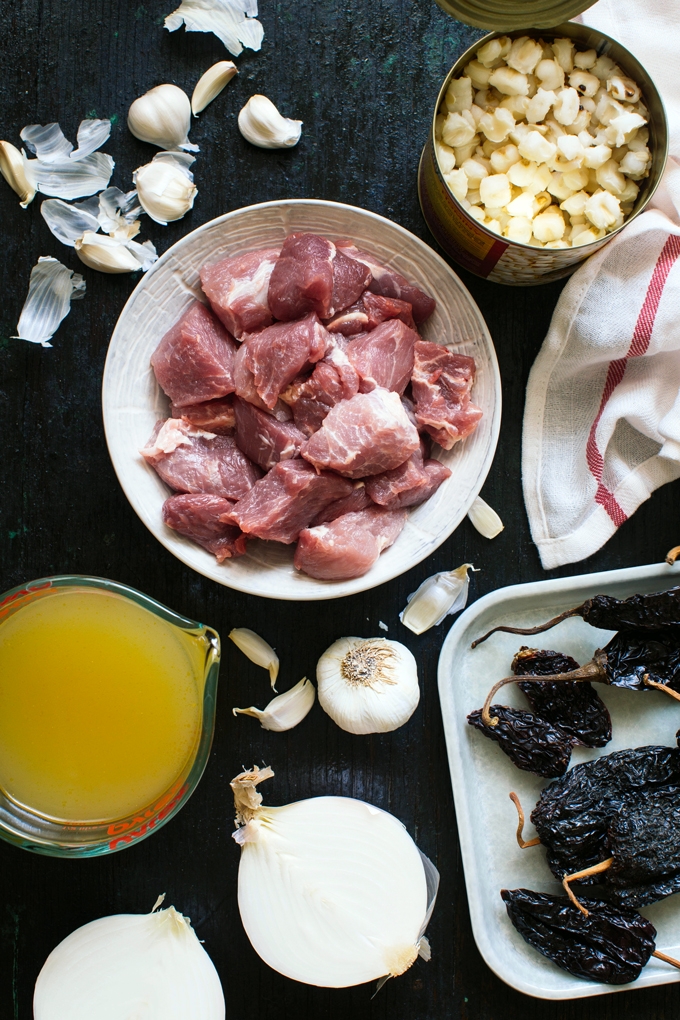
(51, 289)
(437, 597)
(162, 116)
(114, 966)
(68, 221)
(70, 178)
(286, 710)
(485, 519)
(12, 169)
(211, 83)
(261, 124)
(257, 650)
(368, 685)
(232, 21)
(114, 255)
(50, 145)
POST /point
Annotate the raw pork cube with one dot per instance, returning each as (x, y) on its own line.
(332, 380)
(194, 360)
(311, 275)
(363, 436)
(237, 290)
(192, 460)
(200, 518)
(408, 485)
(282, 503)
(358, 499)
(262, 438)
(350, 545)
(214, 415)
(384, 357)
(441, 385)
(350, 321)
(389, 283)
(276, 355)
(380, 309)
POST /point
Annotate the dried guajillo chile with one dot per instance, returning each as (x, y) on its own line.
(609, 944)
(641, 612)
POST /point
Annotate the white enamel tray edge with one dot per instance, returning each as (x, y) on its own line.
(473, 764)
(131, 400)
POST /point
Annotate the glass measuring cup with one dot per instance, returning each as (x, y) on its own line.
(30, 829)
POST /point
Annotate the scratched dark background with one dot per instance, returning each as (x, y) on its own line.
(363, 76)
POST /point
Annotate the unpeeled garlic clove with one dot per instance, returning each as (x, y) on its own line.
(437, 597)
(211, 83)
(12, 169)
(165, 186)
(261, 124)
(162, 116)
(114, 254)
(284, 711)
(485, 519)
(257, 650)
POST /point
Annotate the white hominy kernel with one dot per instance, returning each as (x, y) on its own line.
(629, 194)
(506, 43)
(509, 82)
(446, 157)
(493, 224)
(517, 105)
(564, 53)
(459, 95)
(522, 173)
(490, 53)
(566, 107)
(584, 83)
(604, 67)
(570, 147)
(586, 59)
(588, 104)
(640, 140)
(458, 183)
(525, 205)
(524, 54)
(549, 225)
(518, 229)
(634, 164)
(610, 177)
(607, 108)
(540, 180)
(478, 74)
(477, 213)
(575, 204)
(596, 156)
(602, 209)
(587, 236)
(475, 171)
(575, 180)
(543, 200)
(459, 128)
(488, 147)
(497, 126)
(622, 128)
(550, 74)
(503, 159)
(537, 148)
(558, 244)
(623, 89)
(477, 114)
(464, 152)
(495, 190)
(558, 188)
(539, 105)
(581, 123)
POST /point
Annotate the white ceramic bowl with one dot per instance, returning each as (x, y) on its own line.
(133, 401)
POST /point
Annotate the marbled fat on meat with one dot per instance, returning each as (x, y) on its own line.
(408, 485)
(389, 283)
(262, 438)
(366, 435)
(192, 460)
(237, 289)
(215, 416)
(310, 277)
(280, 352)
(441, 385)
(201, 518)
(194, 360)
(282, 503)
(384, 357)
(348, 546)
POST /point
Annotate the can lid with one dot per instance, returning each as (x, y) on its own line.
(507, 15)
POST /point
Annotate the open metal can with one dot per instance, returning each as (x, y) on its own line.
(489, 254)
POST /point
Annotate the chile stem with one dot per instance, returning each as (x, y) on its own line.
(531, 630)
(591, 671)
(523, 843)
(577, 875)
(666, 959)
(672, 556)
(660, 687)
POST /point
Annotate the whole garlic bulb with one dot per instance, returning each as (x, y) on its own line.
(261, 124)
(165, 186)
(162, 116)
(368, 685)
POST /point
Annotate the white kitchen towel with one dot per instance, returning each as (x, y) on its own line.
(602, 415)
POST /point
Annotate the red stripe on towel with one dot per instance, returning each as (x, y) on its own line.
(639, 344)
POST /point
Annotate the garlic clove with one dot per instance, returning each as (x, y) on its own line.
(113, 255)
(211, 83)
(162, 116)
(165, 186)
(437, 597)
(368, 685)
(286, 710)
(261, 124)
(232, 21)
(485, 519)
(13, 170)
(51, 289)
(257, 650)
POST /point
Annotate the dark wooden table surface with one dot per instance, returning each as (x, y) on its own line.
(363, 75)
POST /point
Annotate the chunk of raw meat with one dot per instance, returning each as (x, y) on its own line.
(408, 485)
(366, 435)
(194, 360)
(200, 518)
(237, 289)
(389, 283)
(384, 357)
(380, 309)
(358, 499)
(214, 415)
(332, 380)
(282, 503)
(192, 460)
(350, 545)
(310, 275)
(350, 321)
(441, 384)
(262, 438)
(276, 355)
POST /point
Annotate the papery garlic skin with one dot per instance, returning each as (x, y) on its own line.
(210, 84)
(257, 650)
(286, 710)
(485, 519)
(51, 289)
(162, 116)
(165, 187)
(261, 124)
(332, 891)
(13, 170)
(368, 685)
(438, 597)
(116, 966)
(232, 21)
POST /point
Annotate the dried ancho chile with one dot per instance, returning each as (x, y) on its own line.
(610, 945)
(575, 707)
(641, 612)
(532, 744)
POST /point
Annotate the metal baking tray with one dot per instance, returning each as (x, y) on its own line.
(482, 776)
